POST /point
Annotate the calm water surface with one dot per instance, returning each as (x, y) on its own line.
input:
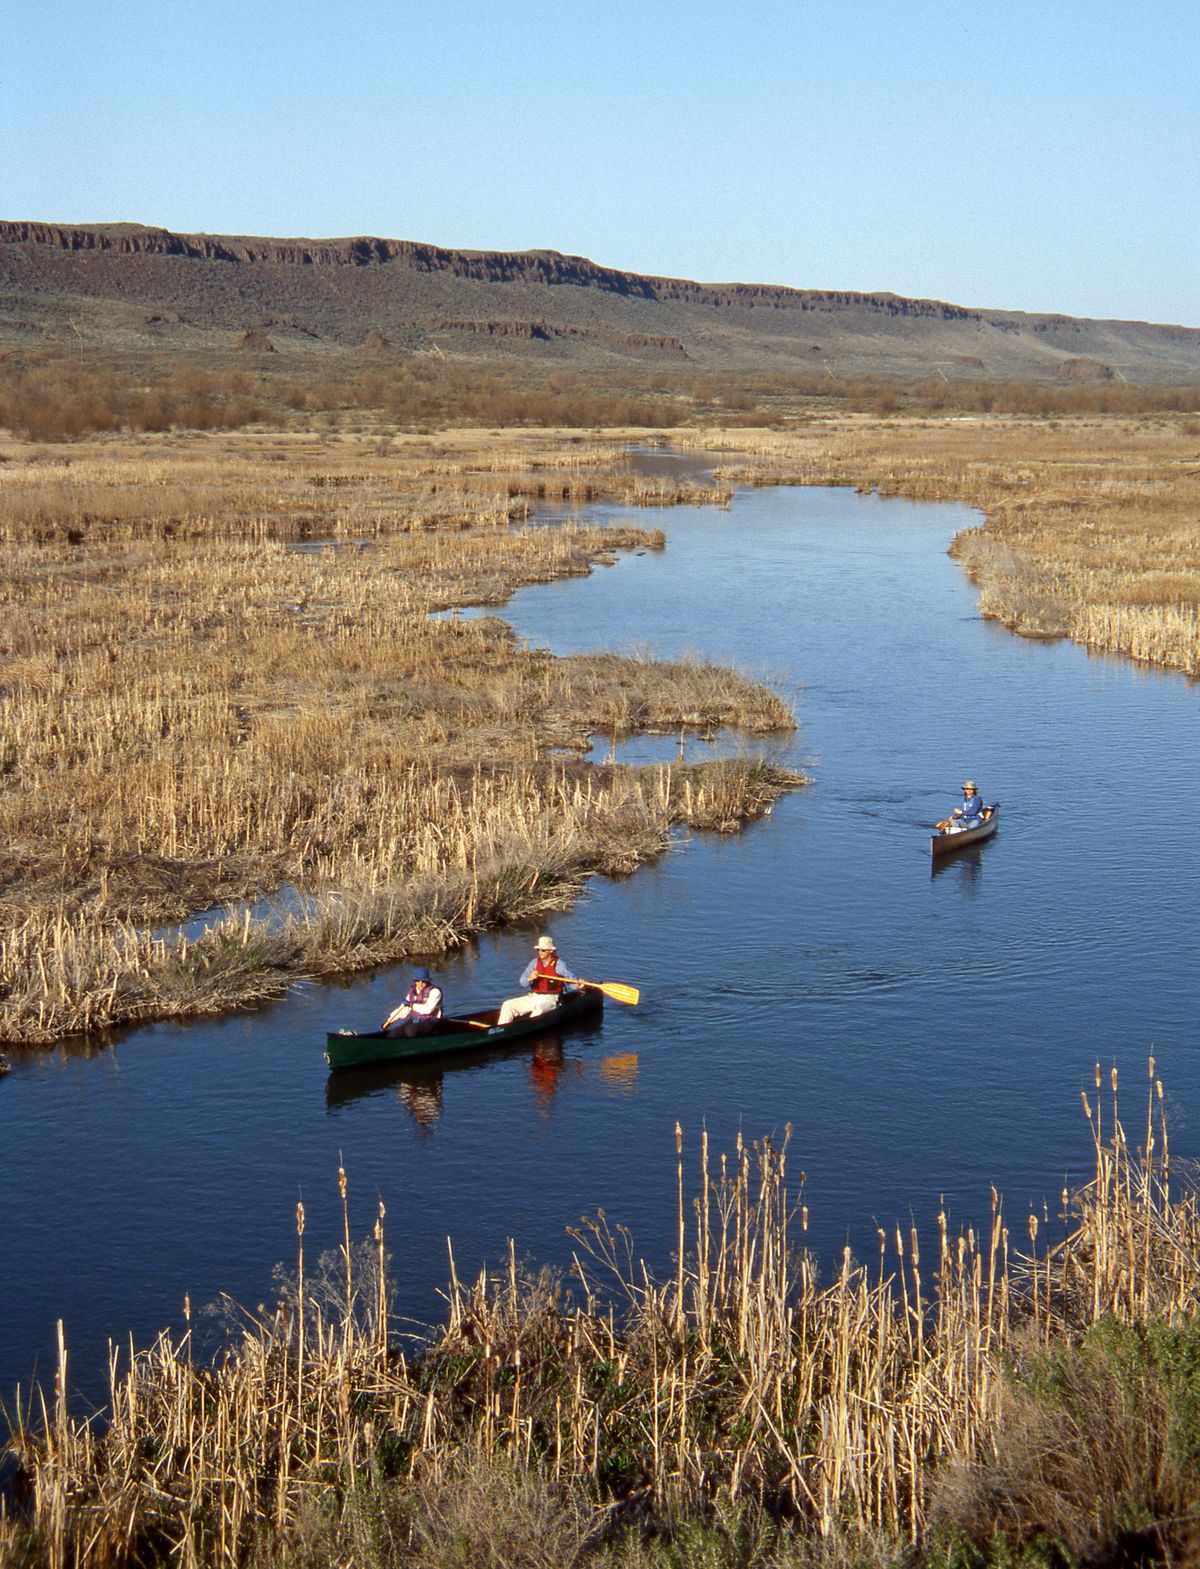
(924, 1035)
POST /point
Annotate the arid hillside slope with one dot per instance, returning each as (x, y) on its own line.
(125, 287)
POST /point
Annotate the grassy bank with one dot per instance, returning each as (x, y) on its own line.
(1030, 1395)
(1091, 520)
(194, 710)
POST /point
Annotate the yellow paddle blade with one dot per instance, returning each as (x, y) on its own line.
(615, 989)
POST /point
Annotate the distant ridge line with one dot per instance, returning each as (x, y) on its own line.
(135, 287)
(541, 267)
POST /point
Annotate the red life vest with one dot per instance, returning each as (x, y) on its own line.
(545, 976)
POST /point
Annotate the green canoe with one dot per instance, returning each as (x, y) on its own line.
(469, 1031)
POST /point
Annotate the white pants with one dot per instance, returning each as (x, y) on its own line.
(527, 1007)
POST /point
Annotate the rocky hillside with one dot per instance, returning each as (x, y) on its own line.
(124, 287)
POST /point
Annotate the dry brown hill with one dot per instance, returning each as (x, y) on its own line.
(127, 287)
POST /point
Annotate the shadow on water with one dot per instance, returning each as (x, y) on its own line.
(418, 1085)
(964, 867)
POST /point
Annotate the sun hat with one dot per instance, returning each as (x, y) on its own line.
(970, 785)
(546, 942)
(422, 975)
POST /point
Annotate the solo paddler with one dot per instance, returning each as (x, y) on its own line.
(970, 814)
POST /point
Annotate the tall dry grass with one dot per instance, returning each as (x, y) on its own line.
(192, 711)
(737, 1380)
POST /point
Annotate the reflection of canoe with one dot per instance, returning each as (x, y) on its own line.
(942, 844)
(425, 1075)
(468, 1032)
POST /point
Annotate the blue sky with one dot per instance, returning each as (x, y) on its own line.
(1012, 155)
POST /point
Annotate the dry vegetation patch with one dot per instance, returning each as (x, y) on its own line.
(221, 672)
(993, 1390)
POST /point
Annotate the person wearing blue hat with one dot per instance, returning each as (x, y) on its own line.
(420, 1012)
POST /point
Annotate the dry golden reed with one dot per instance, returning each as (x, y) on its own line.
(738, 1377)
(194, 711)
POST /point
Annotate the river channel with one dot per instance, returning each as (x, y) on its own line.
(924, 1034)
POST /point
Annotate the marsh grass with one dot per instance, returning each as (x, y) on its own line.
(444, 858)
(193, 712)
(736, 1382)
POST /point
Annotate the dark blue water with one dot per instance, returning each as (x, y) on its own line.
(924, 1034)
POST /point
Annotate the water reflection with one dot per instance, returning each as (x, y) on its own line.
(419, 1086)
(548, 1063)
(621, 1071)
(965, 864)
(421, 1095)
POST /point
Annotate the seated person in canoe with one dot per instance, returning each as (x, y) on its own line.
(547, 978)
(970, 814)
(420, 1011)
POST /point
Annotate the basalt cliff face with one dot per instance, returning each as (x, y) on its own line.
(129, 287)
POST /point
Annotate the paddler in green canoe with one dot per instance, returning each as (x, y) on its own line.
(547, 978)
(421, 1010)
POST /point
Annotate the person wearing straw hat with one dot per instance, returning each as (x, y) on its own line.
(969, 815)
(547, 978)
(421, 1010)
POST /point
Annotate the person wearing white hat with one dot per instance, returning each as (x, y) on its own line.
(547, 978)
